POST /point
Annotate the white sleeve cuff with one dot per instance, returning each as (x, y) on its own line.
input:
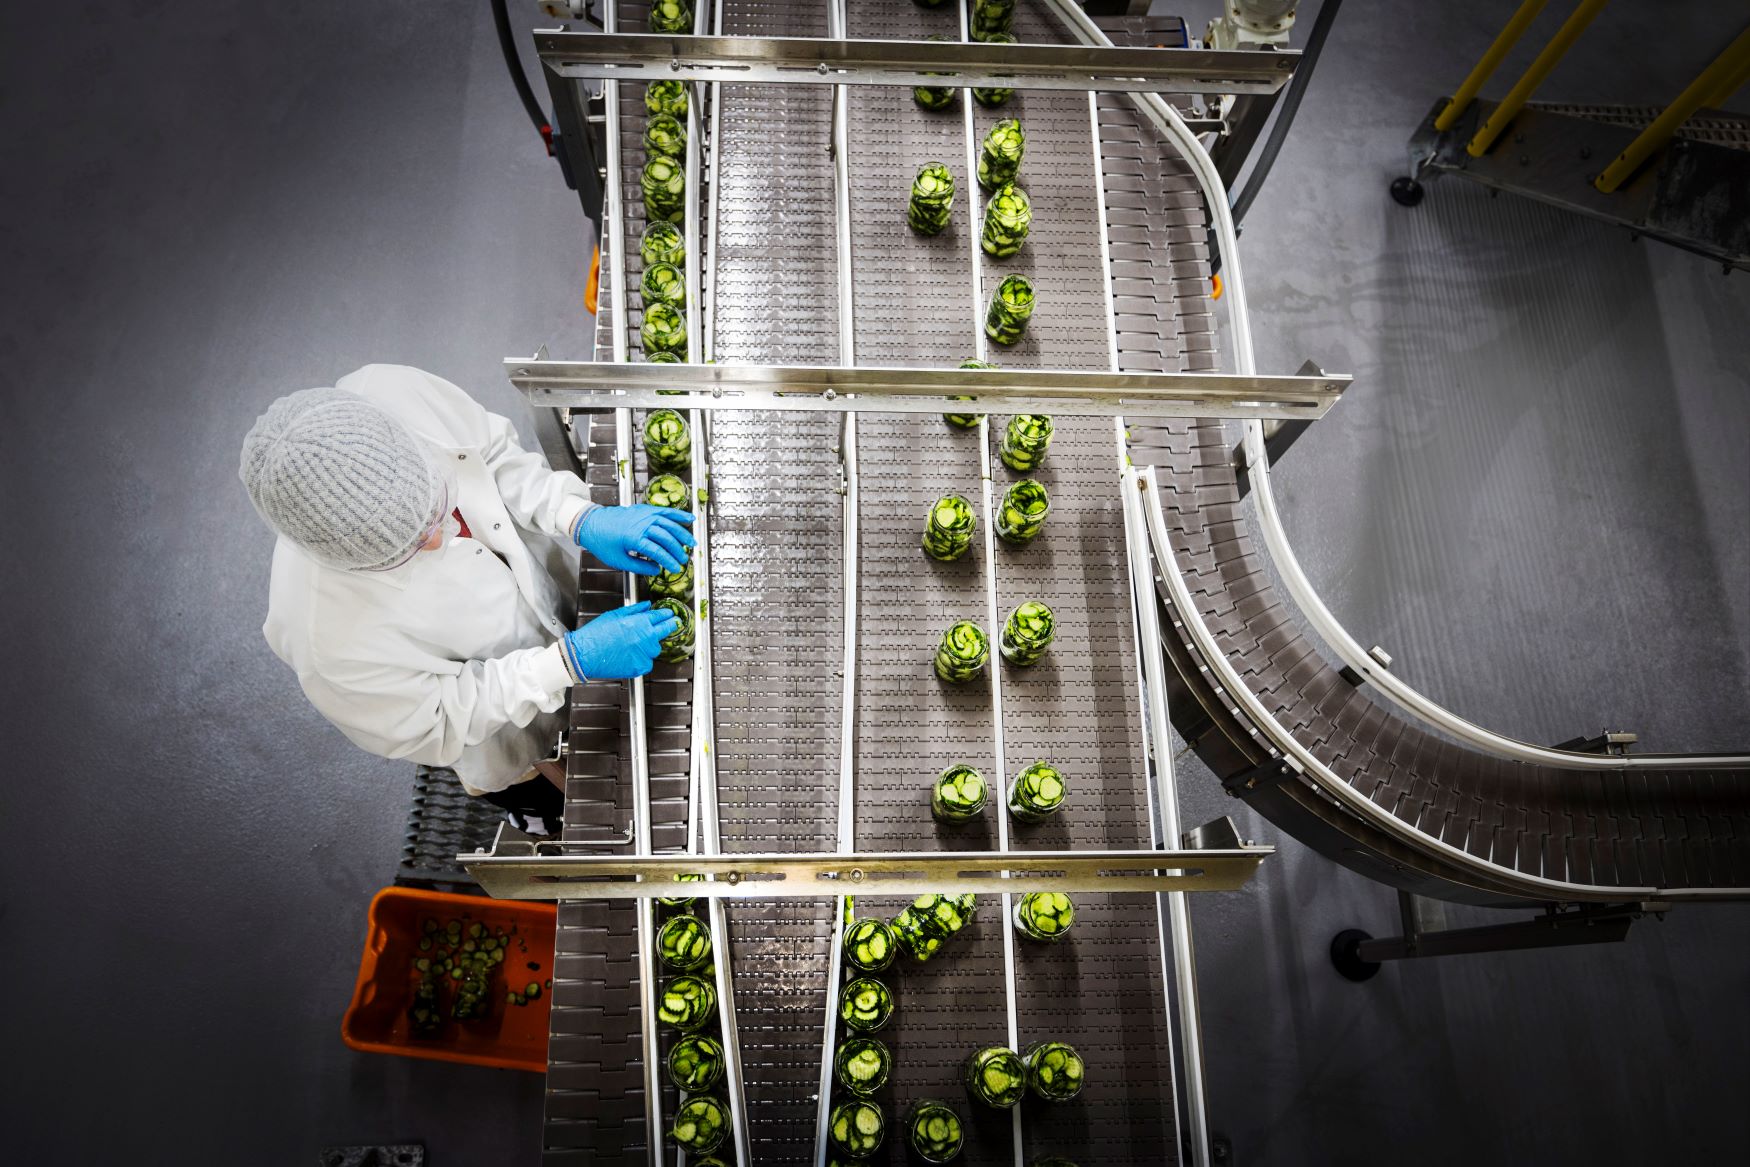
(570, 512)
(551, 673)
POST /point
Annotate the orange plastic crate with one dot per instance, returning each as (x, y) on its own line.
(510, 1037)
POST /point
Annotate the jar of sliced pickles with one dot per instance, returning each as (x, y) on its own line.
(959, 795)
(996, 1076)
(862, 1065)
(1054, 1071)
(933, 1131)
(1044, 915)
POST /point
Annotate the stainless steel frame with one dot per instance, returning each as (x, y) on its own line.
(521, 870)
(1292, 753)
(587, 385)
(816, 61)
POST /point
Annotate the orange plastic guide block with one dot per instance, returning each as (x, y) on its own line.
(509, 1037)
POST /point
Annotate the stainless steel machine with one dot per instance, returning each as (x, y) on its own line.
(788, 763)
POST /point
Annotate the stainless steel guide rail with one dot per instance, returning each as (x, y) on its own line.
(868, 389)
(1172, 912)
(847, 823)
(808, 60)
(702, 763)
(547, 872)
(981, 351)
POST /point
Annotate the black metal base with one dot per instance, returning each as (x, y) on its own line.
(1357, 955)
(1406, 191)
(399, 1155)
(1346, 955)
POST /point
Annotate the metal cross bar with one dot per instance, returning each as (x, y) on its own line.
(588, 385)
(544, 872)
(809, 60)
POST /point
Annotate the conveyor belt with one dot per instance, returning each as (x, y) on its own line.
(595, 1087)
(1078, 708)
(595, 1063)
(776, 549)
(1585, 833)
(914, 306)
(1659, 828)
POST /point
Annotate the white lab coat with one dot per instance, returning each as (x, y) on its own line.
(450, 659)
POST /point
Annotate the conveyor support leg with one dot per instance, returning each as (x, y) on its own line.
(1279, 434)
(1358, 956)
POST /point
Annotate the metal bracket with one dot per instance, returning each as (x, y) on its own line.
(511, 843)
(1380, 657)
(520, 868)
(1608, 742)
(1279, 434)
(1266, 774)
(1215, 835)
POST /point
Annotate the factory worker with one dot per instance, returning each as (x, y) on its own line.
(420, 580)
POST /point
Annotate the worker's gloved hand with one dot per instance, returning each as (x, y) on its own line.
(638, 538)
(618, 644)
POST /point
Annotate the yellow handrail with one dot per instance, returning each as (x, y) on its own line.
(1533, 77)
(1718, 98)
(1490, 61)
(1711, 87)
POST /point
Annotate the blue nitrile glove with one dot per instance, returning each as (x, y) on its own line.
(638, 538)
(618, 644)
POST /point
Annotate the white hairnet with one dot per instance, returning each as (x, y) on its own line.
(342, 479)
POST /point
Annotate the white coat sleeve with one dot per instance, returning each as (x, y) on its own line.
(537, 496)
(429, 717)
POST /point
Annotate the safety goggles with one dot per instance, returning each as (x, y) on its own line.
(446, 493)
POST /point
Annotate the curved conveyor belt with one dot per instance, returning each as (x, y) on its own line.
(1398, 789)
(1417, 810)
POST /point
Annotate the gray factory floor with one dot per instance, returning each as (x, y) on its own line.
(1536, 497)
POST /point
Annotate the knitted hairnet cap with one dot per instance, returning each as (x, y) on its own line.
(341, 478)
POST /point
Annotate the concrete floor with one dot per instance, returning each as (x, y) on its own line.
(1536, 497)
